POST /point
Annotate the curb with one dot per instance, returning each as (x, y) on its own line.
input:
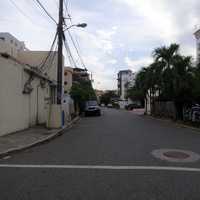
(175, 123)
(59, 132)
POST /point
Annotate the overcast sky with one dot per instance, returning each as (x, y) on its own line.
(121, 34)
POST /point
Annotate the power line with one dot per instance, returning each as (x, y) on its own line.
(77, 51)
(43, 63)
(44, 9)
(21, 11)
(69, 53)
(73, 42)
(52, 59)
(66, 3)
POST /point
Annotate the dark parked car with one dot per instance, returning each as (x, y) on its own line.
(132, 106)
(92, 108)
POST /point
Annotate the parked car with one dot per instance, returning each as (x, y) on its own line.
(92, 108)
(109, 105)
(132, 106)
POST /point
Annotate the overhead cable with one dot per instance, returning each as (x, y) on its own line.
(45, 10)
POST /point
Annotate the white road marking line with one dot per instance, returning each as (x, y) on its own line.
(103, 167)
(6, 157)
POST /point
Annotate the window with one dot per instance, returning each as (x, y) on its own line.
(11, 41)
(65, 82)
(65, 73)
(2, 38)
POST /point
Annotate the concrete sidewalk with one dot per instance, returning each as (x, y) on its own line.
(27, 138)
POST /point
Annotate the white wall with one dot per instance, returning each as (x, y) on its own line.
(35, 58)
(17, 110)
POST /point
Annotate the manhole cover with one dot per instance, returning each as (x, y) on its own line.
(176, 155)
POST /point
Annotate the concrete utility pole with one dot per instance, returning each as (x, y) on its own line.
(60, 54)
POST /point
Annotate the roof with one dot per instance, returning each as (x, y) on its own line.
(80, 69)
(10, 35)
(68, 69)
(125, 71)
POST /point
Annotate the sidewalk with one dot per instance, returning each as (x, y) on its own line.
(27, 138)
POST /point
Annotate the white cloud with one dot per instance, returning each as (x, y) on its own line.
(120, 33)
(137, 64)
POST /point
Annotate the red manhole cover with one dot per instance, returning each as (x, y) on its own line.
(176, 154)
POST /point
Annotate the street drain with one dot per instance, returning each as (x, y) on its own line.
(175, 155)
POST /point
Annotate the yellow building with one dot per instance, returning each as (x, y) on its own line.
(68, 73)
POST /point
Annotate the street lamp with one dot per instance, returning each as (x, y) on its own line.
(82, 25)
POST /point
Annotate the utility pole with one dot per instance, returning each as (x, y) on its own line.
(60, 54)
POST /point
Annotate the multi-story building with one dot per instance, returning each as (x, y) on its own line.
(126, 79)
(197, 36)
(10, 45)
(80, 74)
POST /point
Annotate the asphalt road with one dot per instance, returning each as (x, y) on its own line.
(64, 167)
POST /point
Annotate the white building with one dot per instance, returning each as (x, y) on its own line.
(10, 45)
(197, 36)
(126, 79)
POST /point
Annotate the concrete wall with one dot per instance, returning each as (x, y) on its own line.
(19, 111)
(68, 107)
(35, 58)
(68, 71)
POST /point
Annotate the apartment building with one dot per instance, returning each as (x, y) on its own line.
(126, 79)
(197, 36)
(10, 45)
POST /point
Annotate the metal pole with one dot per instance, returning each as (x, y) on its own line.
(60, 55)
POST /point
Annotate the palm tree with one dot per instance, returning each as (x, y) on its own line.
(166, 55)
(183, 82)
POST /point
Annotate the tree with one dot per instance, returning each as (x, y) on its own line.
(81, 92)
(171, 77)
(107, 97)
(166, 55)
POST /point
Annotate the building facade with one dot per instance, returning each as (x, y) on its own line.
(68, 73)
(11, 45)
(126, 79)
(80, 74)
(197, 36)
